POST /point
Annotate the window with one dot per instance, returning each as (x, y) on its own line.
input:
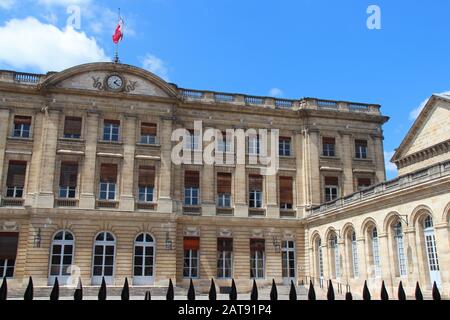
(361, 149)
(257, 258)
(255, 183)
(335, 256)
(108, 179)
(355, 261)
(191, 188)
(284, 146)
(22, 126)
(431, 251)
(144, 259)
(111, 130)
(376, 253)
(398, 235)
(288, 259)
(224, 257)
(319, 257)
(148, 133)
(364, 183)
(191, 246)
(331, 188)
(286, 194)
(68, 180)
(328, 147)
(253, 145)
(104, 256)
(224, 142)
(192, 140)
(224, 189)
(15, 180)
(146, 183)
(8, 251)
(72, 127)
(61, 256)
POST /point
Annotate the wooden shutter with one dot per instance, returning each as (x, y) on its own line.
(148, 129)
(257, 245)
(72, 125)
(364, 182)
(146, 176)
(22, 120)
(191, 243)
(8, 245)
(191, 179)
(108, 172)
(331, 181)
(328, 140)
(288, 139)
(224, 244)
(286, 190)
(16, 174)
(69, 174)
(255, 182)
(223, 182)
(361, 143)
(117, 122)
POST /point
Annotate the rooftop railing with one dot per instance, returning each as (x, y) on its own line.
(433, 172)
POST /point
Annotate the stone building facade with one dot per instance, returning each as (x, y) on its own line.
(89, 188)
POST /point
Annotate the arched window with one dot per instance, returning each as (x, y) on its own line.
(104, 256)
(319, 257)
(431, 252)
(334, 246)
(61, 257)
(376, 252)
(398, 236)
(144, 259)
(355, 260)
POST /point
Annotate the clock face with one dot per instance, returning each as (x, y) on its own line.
(114, 82)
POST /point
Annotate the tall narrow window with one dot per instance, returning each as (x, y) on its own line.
(355, 260)
(286, 194)
(68, 179)
(328, 146)
(376, 253)
(108, 181)
(253, 145)
(144, 256)
(111, 130)
(224, 142)
(72, 127)
(8, 251)
(148, 133)
(192, 140)
(224, 189)
(104, 256)
(398, 235)
(335, 256)
(146, 183)
(61, 256)
(15, 180)
(288, 259)
(191, 246)
(255, 184)
(224, 257)
(319, 257)
(284, 146)
(22, 126)
(363, 183)
(361, 149)
(331, 188)
(191, 188)
(257, 258)
(431, 252)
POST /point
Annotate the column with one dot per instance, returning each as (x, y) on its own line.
(361, 247)
(299, 187)
(271, 192)
(415, 264)
(311, 169)
(87, 196)
(165, 173)
(378, 158)
(240, 191)
(346, 155)
(385, 259)
(127, 174)
(441, 233)
(4, 121)
(208, 181)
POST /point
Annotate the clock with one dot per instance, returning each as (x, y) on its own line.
(115, 82)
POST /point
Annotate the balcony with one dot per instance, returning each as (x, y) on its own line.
(150, 206)
(287, 213)
(256, 212)
(66, 202)
(12, 202)
(192, 210)
(224, 211)
(107, 204)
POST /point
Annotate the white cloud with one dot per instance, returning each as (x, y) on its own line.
(415, 112)
(44, 47)
(7, 4)
(155, 65)
(275, 92)
(387, 161)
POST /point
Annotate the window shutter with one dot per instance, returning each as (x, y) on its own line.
(191, 179)
(191, 243)
(148, 129)
(22, 120)
(361, 143)
(257, 245)
(108, 172)
(16, 174)
(72, 125)
(117, 122)
(255, 182)
(68, 175)
(146, 176)
(223, 182)
(331, 181)
(286, 190)
(287, 139)
(364, 182)
(328, 140)
(224, 244)
(8, 243)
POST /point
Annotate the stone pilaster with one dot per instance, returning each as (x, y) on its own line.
(129, 146)
(240, 192)
(299, 178)
(87, 196)
(378, 158)
(385, 259)
(271, 192)
(208, 186)
(165, 179)
(4, 121)
(361, 247)
(346, 155)
(311, 169)
(441, 234)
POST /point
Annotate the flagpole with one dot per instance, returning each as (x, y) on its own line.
(116, 56)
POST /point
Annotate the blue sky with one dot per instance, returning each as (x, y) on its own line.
(292, 48)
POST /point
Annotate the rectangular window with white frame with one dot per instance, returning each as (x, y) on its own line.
(257, 258)
(255, 188)
(22, 127)
(191, 188)
(361, 149)
(108, 182)
(191, 140)
(331, 190)
(148, 133)
(68, 180)
(146, 183)
(224, 190)
(224, 142)
(224, 258)
(15, 180)
(253, 145)
(328, 146)
(284, 147)
(111, 130)
(72, 127)
(191, 259)
(8, 251)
